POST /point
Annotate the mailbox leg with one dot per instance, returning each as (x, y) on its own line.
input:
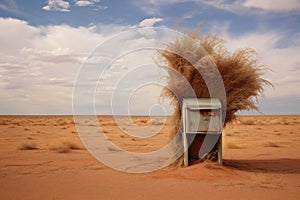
(185, 149)
(220, 159)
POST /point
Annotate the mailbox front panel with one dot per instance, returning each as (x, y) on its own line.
(203, 121)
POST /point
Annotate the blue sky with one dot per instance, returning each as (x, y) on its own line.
(44, 43)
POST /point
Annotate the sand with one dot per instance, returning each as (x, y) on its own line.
(42, 157)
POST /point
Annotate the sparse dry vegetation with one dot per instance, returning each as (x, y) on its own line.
(266, 120)
(65, 146)
(27, 146)
(272, 144)
(266, 162)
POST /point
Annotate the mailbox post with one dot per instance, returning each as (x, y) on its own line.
(202, 121)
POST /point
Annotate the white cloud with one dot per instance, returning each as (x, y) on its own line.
(273, 5)
(58, 55)
(231, 6)
(10, 39)
(253, 6)
(150, 21)
(147, 26)
(57, 5)
(153, 7)
(10, 6)
(38, 70)
(244, 7)
(94, 4)
(86, 2)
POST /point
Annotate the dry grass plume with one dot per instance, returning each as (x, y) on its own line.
(240, 72)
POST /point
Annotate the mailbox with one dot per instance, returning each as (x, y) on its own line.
(202, 128)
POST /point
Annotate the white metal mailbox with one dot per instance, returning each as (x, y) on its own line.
(202, 116)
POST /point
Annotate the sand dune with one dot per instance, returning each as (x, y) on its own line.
(42, 157)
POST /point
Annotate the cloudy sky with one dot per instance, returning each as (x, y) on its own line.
(47, 44)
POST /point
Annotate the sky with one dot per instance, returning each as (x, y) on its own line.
(50, 47)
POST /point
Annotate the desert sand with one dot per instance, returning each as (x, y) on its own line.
(42, 157)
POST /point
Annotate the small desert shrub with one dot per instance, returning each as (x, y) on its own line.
(61, 149)
(27, 146)
(272, 144)
(144, 121)
(71, 145)
(65, 147)
(141, 122)
(4, 122)
(158, 122)
(247, 122)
